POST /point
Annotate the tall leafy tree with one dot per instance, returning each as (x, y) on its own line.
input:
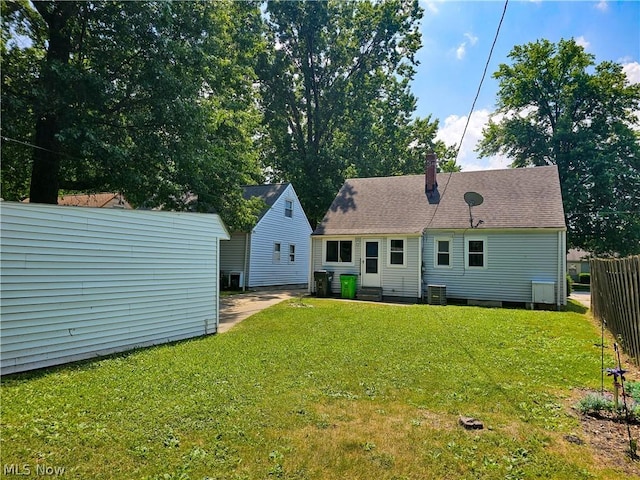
(336, 93)
(154, 99)
(557, 106)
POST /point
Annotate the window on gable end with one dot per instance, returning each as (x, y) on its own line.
(288, 208)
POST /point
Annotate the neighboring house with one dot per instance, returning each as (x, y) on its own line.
(83, 282)
(400, 235)
(97, 200)
(577, 263)
(276, 250)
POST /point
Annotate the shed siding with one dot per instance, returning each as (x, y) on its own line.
(83, 282)
(232, 256)
(514, 260)
(274, 227)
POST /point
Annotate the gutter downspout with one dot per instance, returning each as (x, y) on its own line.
(562, 294)
(218, 282)
(421, 239)
(310, 272)
(245, 275)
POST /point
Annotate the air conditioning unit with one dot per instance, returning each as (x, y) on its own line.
(437, 294)
(235, 280)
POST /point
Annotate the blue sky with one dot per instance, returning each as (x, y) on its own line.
(457, 37)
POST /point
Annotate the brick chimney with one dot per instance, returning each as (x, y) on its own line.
(430, 182)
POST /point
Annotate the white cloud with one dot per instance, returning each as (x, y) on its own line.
(632, 70)
(472, 38)
(461, 51)
(602, 5)
(582, 42)
(430, 6)
(451, 133)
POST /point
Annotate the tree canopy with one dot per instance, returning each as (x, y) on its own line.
(152, 99)
(177, 104)
(557, 106)
(336, 94)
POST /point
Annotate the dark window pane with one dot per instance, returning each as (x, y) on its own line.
(443, 259)
(397, 245)
(372, 249)
(443, 246)
(476, 246)
(345, 252)
(476, 260)
(372, 265)
(332, 251)
(396, 258)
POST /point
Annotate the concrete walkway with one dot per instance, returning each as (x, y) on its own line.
(583, 297)
(235, 308)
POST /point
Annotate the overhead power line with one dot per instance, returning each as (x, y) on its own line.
(473, 105)
(484, 73)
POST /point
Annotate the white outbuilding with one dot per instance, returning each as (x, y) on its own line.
(84, 282)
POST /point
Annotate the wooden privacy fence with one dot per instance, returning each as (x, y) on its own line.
(615, 299)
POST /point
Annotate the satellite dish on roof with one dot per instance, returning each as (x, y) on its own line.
(473, 199)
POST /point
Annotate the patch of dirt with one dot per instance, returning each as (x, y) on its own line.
(608, 436)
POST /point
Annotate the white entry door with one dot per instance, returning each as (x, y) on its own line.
(370, 262)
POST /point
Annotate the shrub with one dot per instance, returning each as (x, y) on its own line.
(585, 278)
(569, 285)
(594, 404)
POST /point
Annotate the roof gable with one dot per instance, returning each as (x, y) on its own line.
(513, 198)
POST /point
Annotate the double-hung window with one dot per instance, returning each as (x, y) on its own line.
(476, 253)
(288, 208)
(443, 252)
(292, 253)
(276, 252)
(338, 251)
(397, 252)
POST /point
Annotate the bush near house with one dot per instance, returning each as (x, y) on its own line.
(585, 278)
(569, 285)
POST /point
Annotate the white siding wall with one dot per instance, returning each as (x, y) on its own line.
(81, 282)
(232, 253)
(402, 281)
(395, 281)
(513, 259)
(275, 227)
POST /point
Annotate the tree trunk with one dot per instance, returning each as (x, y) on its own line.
(46, 155)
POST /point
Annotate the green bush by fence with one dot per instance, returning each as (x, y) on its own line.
(585, 278)
(615, 299)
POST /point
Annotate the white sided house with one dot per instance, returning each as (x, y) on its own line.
(83, 282)
(487, 237)
(276, 250)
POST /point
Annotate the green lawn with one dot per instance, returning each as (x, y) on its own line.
(321, 389)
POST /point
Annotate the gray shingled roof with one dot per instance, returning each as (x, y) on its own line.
(513, 198)
(268, 193)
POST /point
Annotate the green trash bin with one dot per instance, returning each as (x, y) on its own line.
(348, 285)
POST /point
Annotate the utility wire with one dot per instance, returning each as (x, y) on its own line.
(484, 73)
(473, 106)
(26, 144)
